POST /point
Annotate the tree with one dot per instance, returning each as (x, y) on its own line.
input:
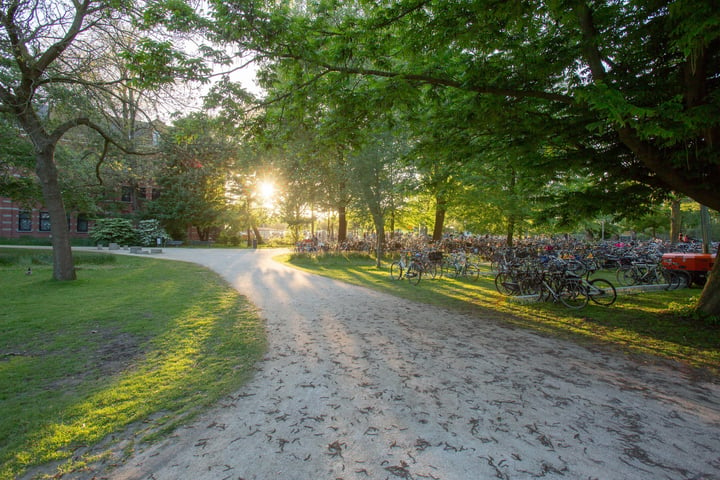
(375, 173)
(628, 88)
(53, 53)
(198, 156)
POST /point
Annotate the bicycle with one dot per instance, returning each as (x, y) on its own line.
(408, 267)
(565, 288)
(432, 262)
(647, 273)
(458, 264)
(518, 279)
(600, 291)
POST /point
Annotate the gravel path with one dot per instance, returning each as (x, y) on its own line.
(360, 385)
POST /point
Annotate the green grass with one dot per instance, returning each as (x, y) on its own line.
(650, 324)
(134, 345)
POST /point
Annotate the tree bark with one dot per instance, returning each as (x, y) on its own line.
(379, 221)
(63, 264)
(202, 232)
(342, 224)
(440, 209)
(258, 235)
(510, 230)
(709, 301)
(675, 221)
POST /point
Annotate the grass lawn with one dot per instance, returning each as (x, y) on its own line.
(133, 347)
(654, 323)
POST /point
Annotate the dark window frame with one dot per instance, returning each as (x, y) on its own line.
(44, 222)
(82, 224)
(24, 221)
(126, 194)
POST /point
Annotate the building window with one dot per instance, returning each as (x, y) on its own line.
(44, 222)
(142, 193)
(82, 223)
(155, 193)
(126, 194)
(24, 222)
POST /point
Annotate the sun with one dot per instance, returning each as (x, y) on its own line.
(267, 192)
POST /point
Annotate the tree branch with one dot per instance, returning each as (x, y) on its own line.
(444, 82)
(83, 121)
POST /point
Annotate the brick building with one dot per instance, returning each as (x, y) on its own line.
(124, 194)
(17, 221)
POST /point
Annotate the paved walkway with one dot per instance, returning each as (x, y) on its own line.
(361, 385)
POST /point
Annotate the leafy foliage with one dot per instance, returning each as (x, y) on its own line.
(193, 180)
(148, 231)
(114, 230)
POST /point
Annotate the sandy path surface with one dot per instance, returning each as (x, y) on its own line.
(361, 385)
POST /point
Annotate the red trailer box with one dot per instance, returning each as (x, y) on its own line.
(696, 264)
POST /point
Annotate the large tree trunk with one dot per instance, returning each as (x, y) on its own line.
(440, 208)
(675, 220)
(258, 235)
(63, 264)
(379, 221)
(342, 224)
(510, 230)
(709, 301)
(203, 233)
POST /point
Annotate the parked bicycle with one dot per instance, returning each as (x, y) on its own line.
(563, 287)
(460, 264)
(409, 267)
(648, 271)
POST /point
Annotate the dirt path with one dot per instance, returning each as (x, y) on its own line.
(360, 385)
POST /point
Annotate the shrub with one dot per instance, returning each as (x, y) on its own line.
(114, 230)
(149, 231)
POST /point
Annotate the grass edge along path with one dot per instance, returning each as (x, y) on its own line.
(133, 348)
(655, 325)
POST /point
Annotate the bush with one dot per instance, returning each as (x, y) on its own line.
(229, 238)
(114, 230)
(149, 231)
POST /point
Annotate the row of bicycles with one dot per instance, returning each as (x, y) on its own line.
(554, 281)
(564, 274)
(546, 280)
(414, 265)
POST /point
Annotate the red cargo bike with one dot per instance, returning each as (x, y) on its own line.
(693, 267)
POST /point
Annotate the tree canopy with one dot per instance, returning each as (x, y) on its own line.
(617, 102)
(64, 63)
(625, 89)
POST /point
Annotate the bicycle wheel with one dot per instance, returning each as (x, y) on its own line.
(431, 269)
(627, 277)
(544, 294)
(577, 267)
(396, 271)
(573, 295)
(529, 285)
(414, 274)
(602, 292)
(504, 284)
(473, 272)
(671, 278)
(684, 279)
